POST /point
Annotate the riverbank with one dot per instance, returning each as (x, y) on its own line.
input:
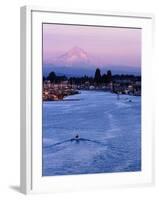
(65, 98)
(56, 92)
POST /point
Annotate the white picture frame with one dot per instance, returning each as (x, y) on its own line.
(31, 100)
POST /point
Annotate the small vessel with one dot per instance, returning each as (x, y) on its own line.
(77, 137)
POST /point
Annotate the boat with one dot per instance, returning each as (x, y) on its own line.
(76, 138)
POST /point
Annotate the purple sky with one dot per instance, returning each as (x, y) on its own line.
(104, 45)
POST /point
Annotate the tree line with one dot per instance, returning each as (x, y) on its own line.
(98, 78)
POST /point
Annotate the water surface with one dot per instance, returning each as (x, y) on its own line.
(110, 132)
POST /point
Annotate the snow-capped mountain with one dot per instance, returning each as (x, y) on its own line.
(77, 62)
(74, 57)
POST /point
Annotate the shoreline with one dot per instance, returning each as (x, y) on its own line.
(99, 90)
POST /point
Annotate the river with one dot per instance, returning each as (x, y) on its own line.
(109, 131)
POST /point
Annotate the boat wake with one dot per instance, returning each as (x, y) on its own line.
(79, 140)
(73, 141)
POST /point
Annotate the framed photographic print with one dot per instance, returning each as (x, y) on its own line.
(86, 100)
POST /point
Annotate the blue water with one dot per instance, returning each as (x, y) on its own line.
(109, 130)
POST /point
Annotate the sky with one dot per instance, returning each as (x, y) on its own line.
(112, 46)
